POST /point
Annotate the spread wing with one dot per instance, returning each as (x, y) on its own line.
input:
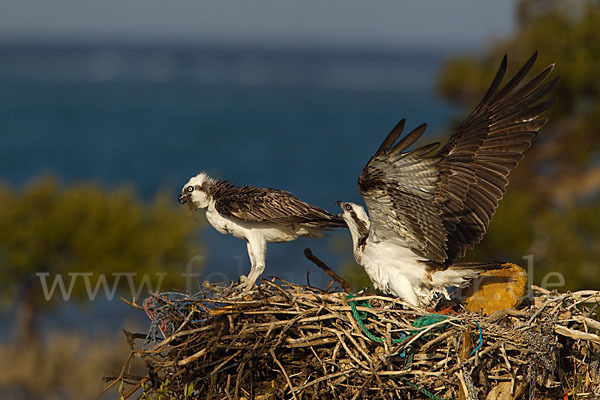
(252, 204)
(479, 156)
(399, 190)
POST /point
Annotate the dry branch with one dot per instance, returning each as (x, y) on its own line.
(298, 342)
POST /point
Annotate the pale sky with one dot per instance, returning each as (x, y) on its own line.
(382, 23)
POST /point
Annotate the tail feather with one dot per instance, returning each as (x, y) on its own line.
(461, 274)
(479, 266)
(326, 223)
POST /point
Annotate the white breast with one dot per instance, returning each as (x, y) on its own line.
(395, 269)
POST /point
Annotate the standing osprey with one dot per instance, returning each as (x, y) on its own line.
(256, 215)
(425, 211)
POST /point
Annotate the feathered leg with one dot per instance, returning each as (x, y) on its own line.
(257, 248)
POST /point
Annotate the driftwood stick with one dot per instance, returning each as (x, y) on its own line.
(305, 342)
(132, 304)
(308, 253)
(287, 378)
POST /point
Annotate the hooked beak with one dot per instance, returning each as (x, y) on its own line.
(339, 204)
(182, 198)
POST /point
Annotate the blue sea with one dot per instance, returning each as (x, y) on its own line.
(301, 120)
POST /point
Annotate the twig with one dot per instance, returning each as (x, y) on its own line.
(119, 378)
(573, 334)
(132, 304)
(192, 358)
(287, 378)
(134, 389)
(463, 384)
(315, 348)
(308, 253)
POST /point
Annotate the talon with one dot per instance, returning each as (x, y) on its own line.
(246, 284)
(247, 288)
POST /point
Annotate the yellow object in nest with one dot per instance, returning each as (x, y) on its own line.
(221, 310)
(496, 290)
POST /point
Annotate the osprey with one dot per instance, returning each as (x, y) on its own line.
(426, 210)
(256, 215)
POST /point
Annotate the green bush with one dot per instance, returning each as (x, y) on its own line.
(84, 228)
(552, 209)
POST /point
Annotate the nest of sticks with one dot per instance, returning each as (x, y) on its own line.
(298, 342)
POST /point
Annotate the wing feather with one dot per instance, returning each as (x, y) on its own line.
(252, 204)
(515, 80)
(398, 189)
(479, 156)
(441, 205)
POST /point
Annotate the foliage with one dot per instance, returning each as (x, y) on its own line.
(552, 208)
(48, 228)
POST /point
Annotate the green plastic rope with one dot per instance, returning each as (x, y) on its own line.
(420, 389)
(418, 323)
(422, 322)
(360, 318)
(429, 319)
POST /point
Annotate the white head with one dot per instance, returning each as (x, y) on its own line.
(196, 192)
(358, 222)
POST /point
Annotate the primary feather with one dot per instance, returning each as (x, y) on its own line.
(427, 207)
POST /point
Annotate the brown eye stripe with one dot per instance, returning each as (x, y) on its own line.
(362, 227)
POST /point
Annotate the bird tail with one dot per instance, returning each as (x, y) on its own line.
(479, 266)
(511, 278)
(461, 274)
(318, 227)
(333, 221)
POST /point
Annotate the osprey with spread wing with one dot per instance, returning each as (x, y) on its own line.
(256, 215)
(426, 209)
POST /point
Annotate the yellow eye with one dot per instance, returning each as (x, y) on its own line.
(348, 207)
(190, 189)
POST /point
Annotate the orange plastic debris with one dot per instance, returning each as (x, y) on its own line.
(497, 290)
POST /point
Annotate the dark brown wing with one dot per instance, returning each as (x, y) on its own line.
(252, 204)
(398, 189)
(479, 156)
